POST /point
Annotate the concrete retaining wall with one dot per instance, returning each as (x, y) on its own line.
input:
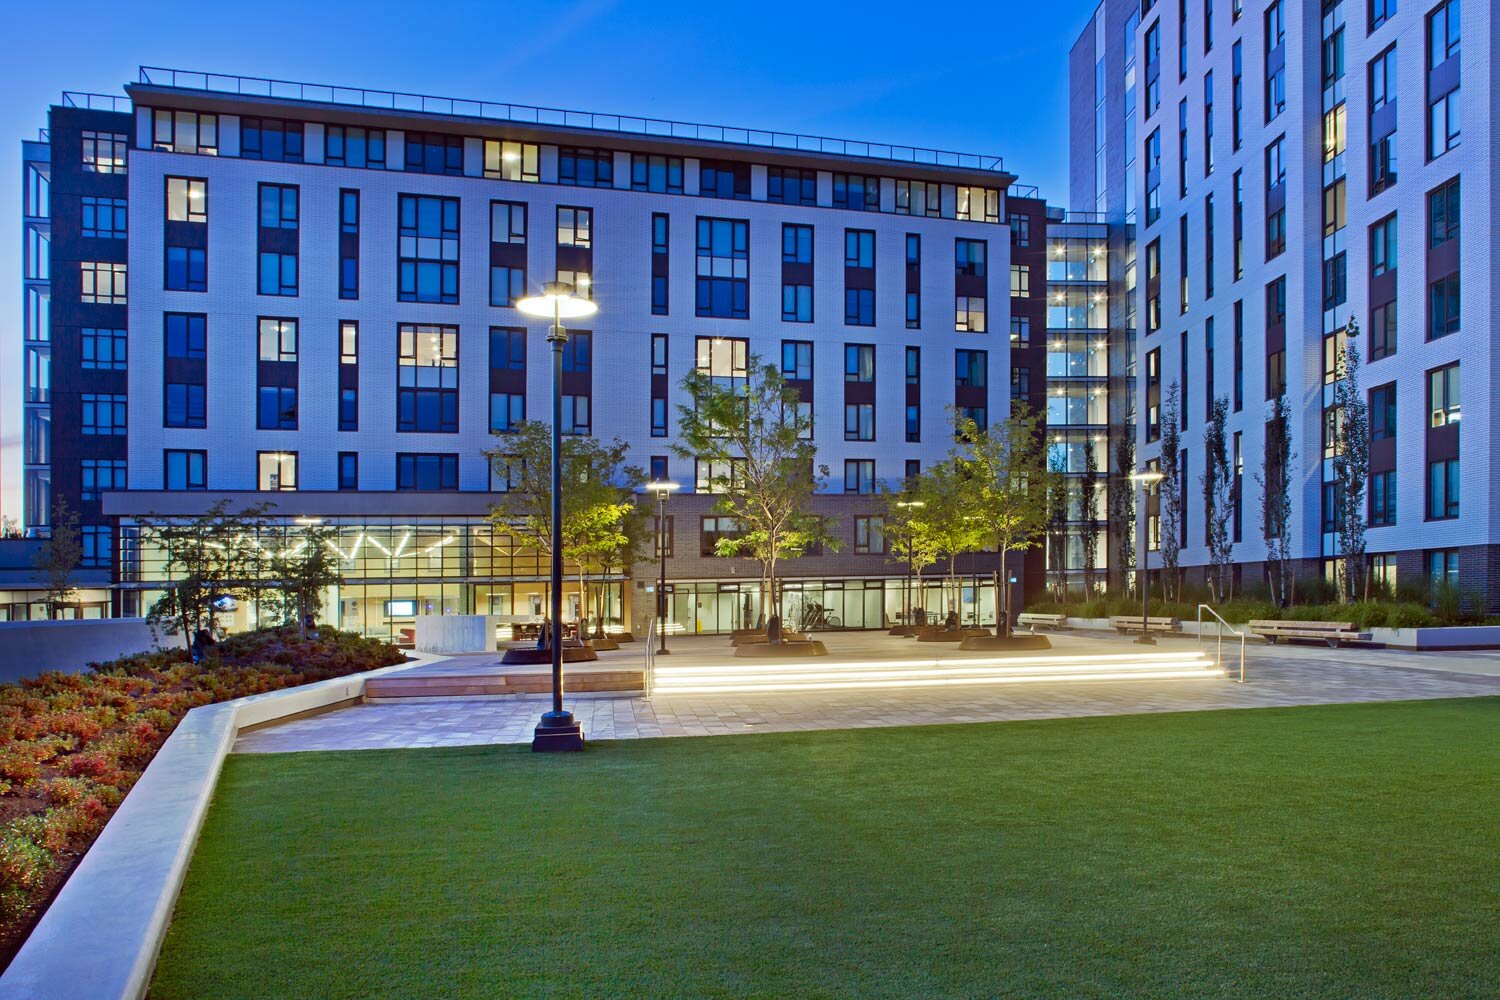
(456, 633)
(100, 937)
(31, 648)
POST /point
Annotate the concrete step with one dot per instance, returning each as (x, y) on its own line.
(395, 686)
(821, 675)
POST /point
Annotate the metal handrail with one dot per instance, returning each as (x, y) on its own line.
(229, 83)
(96, 102)
(1222, 626)
(648, 676)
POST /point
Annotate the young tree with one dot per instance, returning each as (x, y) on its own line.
(1088, 503)
(751, 439)
(1218, 498)
(207, 559)
(1010, 480)
(1274, 480)
(59, 555)
(1057, 526)
(301, 571)
(597, 496)
(951, 525)
(1122, 508)
(910, 535)
(1351, 467)
(1170, 491)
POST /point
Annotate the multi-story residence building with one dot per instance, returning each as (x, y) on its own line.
(1297, 176)
(306, 295)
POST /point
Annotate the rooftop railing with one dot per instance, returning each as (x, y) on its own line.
(389, 100)
(95, 102)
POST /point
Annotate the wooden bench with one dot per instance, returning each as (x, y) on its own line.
(1034, 621)
(1332, 633)
(1128, 624)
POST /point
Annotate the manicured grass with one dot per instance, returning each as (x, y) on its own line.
(1343, 851)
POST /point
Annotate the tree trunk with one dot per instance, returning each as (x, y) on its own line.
(1002, 610)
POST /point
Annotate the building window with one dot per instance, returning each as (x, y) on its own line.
(656, 173)
(508, 160)
(1442, 490)
(859, 307)
(95, 540)
(101, 475)
(350, 146)
(507, 285)
(1383, 412)
(348, 408)
(1382, 499)
(103, 283)
(103, 414)
(1443, 206)
(977, 204)
(575, 226)
(184, 132)
(1444, 33)
(971, 369)
(104, 218)
(1275, 79)
(859, 421)
(428, 249)
(1443, 127)
(348, 470)
(796, 303)
(868, 538)
(185, 470)
(859, 475)
(270, 139)
(723, 268)
(969, 258)
(1153, 395)
(791, 186)
(278, 206)
(186, 404)
(1442, 567)
(859, 249)
(919, 198)
(1020, 230)
(724, 179)
(104, 152)
(278, 273)
(857, 192)
(581, 167)
(507, 410)
(969, 313)
(1383, 246)
(724, 359)
(1276, 234)
(1020, 280)
(1381, 11)
(1335, 281)
(276, 470)
(103, 350)
(1020, 384)
(661, 235)
(1443, 396)
(278, 340)
(433, 153)
(187, 200)
(1020, 330)
(187, 270)
(1383, 331)
(859, 362)
(348, 243)
(507, 349)
(712, 530)
(427, 379)
(427, 471)
(913, 281)
(1443, 307)
(276, 407)
(797, 360)
(1382, 163)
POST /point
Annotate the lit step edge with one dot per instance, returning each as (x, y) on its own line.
(730, 687)
(1125, 660)
(689, 675)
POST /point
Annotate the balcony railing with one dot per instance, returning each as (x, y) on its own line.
(389, 100)
(95, 102)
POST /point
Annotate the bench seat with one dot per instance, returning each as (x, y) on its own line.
(1032, 620)
(1332, 633)
(1132, 623)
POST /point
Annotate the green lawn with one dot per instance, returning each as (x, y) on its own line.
(1343, 851)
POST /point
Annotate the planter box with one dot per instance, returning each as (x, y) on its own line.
(1443, 637)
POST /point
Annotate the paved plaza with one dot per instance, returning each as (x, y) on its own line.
(1275, 676)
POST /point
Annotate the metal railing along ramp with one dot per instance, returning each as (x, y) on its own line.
(824, 674)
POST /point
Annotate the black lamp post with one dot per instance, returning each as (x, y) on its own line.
(1146, 480)
(557, 730)
(907, 506)
(662, 489)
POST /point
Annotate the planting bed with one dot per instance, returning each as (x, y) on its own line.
(72, 745)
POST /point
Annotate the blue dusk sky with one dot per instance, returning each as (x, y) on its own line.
(972, 77)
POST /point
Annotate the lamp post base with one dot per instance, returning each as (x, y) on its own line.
(1145, 640)
(663, 652)
(558, 732)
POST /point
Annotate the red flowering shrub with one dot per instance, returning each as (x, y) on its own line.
(72, 745)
